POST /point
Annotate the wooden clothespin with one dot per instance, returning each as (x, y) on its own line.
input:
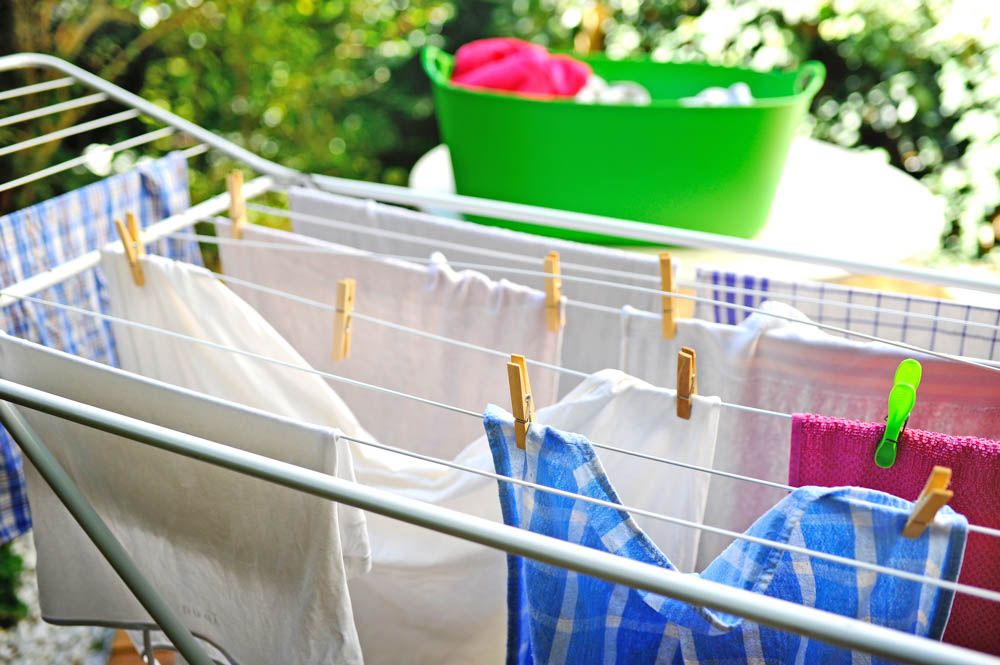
(132, 243)
(237, 204)
(687, 381)
(342, 319)
(932, 498)
(521, 401)
(553, 293)
(667, 285)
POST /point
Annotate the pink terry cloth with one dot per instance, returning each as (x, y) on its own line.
(833, 452)
(518, 66)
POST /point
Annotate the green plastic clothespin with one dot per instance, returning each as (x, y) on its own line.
(902, 397)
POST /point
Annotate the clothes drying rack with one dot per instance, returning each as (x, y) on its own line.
(825, 626)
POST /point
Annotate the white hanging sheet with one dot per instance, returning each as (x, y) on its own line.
(464, 305)
(589, 341)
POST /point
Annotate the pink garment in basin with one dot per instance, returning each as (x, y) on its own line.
(518, 66)
(833, 452)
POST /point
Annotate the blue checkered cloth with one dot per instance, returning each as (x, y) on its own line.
(839, 308)
(50, 233)
(557, 616)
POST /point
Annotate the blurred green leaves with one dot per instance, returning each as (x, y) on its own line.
(12, 609)
(330, 86)
(311, 84)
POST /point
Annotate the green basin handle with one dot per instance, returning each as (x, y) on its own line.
(811, 76)
(437, 63)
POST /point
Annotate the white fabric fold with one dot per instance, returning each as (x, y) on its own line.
(189, 300)
(255, 569)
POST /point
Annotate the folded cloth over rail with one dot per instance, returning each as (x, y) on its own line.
(793, 367)
(255, 569)
(590, 340)
(187, 299)
(840, 307)
(45, 235)
(463, 305)
(833, 451)
(444, 597)
(559, 616)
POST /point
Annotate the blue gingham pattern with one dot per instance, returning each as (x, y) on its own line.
(557, 616)
(943, 336)
(50, 233)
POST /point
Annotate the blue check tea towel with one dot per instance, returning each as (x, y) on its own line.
(558, 617)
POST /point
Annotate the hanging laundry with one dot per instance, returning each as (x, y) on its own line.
(832, 451)
(793, 367)
(590, 341)
(445, 597)
(420, 580)
(48, 234)
(842, 306)
(738, 94)
(514, 65)
(255, 569)
(558, 616)
(463, 305)
(599, 91)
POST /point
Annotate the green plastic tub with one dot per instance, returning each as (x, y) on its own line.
(707, 168)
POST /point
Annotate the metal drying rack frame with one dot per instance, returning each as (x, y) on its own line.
(785, 615)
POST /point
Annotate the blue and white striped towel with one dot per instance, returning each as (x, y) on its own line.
(45, 235)
(839, 306)
(557, 616)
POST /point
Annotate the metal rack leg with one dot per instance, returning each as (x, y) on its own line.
(147, 647)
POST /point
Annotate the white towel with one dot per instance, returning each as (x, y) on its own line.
(256, 569)
(465, 305)
(189, 300)
(793, 367)
(590, 340)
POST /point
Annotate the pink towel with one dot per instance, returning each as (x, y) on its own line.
(518, 66)
(834, 452)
